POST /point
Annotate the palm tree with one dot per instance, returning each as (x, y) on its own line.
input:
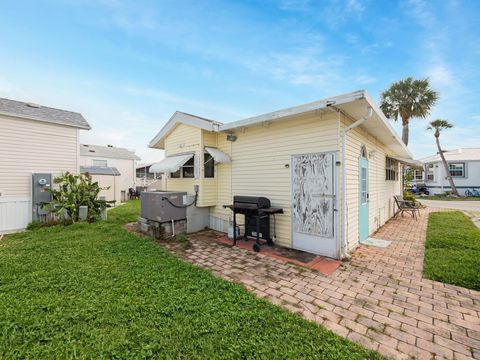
(408, 99)
(439, 125)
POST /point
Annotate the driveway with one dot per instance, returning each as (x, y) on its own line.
(379, 299)
(458, 205)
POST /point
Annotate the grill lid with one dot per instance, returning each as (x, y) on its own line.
(248, 201)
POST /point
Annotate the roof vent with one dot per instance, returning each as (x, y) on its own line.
(33, 105)
(91, 150)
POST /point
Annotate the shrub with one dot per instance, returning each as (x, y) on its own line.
(75, 191)
(409, 196)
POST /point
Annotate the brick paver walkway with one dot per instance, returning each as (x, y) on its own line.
(379, 299)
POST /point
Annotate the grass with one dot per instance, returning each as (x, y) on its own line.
(447, 198)
(96, 290)
(452, 253)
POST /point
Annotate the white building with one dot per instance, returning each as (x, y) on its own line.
(33, 139)
(464, 165)
(112, 167)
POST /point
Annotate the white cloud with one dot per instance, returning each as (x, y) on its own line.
(420, 11)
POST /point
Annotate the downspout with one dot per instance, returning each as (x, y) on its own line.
(344, 247)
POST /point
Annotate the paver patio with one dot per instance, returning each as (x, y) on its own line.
(378, 299)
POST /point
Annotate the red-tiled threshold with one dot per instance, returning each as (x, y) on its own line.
(323, 264)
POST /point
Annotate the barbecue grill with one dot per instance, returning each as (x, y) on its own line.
(257, 212)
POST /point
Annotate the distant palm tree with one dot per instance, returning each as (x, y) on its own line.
(439, 125)
(408, 99)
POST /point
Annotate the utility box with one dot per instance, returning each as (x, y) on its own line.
(40, 184)
(162, 206)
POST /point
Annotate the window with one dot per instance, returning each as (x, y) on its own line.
(102, 163)
(208, 166)
(188, 170)
(364, 190)
(391, 170)
(457, 169)
(417, 175)
(430, 172)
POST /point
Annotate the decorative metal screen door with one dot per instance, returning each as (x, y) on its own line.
(313, 203)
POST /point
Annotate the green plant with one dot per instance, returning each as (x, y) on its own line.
(408, 99)
(75, 191)
(409, 196)
(181, 238)
(34, 225)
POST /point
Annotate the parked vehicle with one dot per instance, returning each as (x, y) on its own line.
(472, 192)
(419, 189)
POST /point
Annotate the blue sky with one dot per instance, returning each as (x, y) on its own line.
(128, 65)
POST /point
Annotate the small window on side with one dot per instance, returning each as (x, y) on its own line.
(209, 166)
(102, 163)
(188, 170)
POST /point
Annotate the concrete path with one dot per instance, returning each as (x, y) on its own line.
(379, 299)
(457, 205)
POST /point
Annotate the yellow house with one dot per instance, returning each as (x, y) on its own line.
(333, 166)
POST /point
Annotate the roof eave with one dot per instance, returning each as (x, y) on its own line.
(83, 127)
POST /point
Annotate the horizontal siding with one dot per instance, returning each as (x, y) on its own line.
(259, 156)
(182, 139)
(380, 190)
(31, 146)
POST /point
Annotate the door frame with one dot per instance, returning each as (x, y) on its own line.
(367, 204)
(335, 198)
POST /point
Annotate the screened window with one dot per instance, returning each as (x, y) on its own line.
(457, 169)
(208, 166)
(391, 170)
(188, 170)
(175, 175)
(96, 162)
(430, 173)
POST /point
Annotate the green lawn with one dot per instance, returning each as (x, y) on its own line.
(447, 198)
(452, 253)
(96, 290)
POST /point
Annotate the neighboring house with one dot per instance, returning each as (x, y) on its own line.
(33, 139)
(147, 180)
(464, 166)
(335, 190)
(113, 167)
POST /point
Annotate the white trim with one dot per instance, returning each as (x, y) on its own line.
(180, 117)
(296, 110)
(218, 156)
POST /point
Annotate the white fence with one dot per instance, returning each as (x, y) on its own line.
(15, 213)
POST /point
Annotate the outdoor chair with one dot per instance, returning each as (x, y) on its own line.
(133, 194)
(406, 206)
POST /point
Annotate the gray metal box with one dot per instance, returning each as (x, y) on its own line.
(40, 184)
(157, 206)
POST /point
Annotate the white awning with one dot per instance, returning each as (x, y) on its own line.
(170, 164)
(218, 156)
(410, 162)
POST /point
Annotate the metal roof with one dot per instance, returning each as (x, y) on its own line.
(462, 154)
(107, 152)
(100, 170)
(37, 112)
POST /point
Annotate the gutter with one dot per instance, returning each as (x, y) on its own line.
(344, 246)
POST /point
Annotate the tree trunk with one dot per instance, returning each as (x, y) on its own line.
(405, 130)
(444, 161)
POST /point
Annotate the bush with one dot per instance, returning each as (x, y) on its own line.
(75, 191)
(409, 196)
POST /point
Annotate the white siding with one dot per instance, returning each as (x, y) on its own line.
(381, 202)
(440, 184)
(31, 146)
(123, 182)
(261, 163)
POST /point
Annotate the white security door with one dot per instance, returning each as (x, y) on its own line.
(313, 203)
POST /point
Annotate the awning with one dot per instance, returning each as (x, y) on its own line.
(170, 164)
(100, 170)
(218, 156)
(417, 164)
